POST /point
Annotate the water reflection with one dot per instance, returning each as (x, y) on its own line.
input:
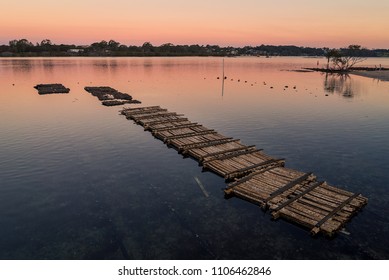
(48, 65)
(341, 84)
(22, 66)
(108, 192)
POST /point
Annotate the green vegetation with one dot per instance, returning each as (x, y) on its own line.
(23, 47)
(345, 59)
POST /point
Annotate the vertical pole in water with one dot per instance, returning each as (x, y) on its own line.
(223, 79)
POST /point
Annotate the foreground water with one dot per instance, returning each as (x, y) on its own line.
(78, 181)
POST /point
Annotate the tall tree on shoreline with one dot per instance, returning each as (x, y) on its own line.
(347, 58)
(330, 54)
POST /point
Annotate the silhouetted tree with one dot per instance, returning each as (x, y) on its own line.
(46, 42)
(147, 47)
(347, 58)
(102, 45)
(113, 45)
(21, 45)
(330, 54)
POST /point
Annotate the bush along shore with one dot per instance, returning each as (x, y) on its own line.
(23, 47)
(352, 69)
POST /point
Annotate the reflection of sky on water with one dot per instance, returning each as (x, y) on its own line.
(78, 181)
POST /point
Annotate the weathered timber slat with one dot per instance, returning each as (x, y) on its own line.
(51, 88)
(224, 152)
(310, 188)
(288, 186)
(316, 229)
(205, 143)
(226, 140)
(132, 116)
(140, 109)
(245, 170)
(259, 178)
(209, 131)
(110, 96)
(266, 185)
(153, 127)
(151, 116)
(153, 131)
(232, 154)
(147, 124)
(151, 110)
(248, 177)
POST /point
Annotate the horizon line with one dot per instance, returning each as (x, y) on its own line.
(190, 44)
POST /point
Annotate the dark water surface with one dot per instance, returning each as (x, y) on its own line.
(78, 181)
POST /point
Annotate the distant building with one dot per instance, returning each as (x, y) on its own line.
(75, 50)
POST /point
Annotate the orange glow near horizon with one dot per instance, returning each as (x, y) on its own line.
(226, 23)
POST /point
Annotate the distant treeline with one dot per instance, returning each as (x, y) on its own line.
(23, 47)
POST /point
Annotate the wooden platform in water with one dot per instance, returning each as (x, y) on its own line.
(259, 178)
(110, 96)
(51, 88)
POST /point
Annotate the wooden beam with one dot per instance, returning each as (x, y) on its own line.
(207, 143)
(226, 151)
(151, 116)
(287, 187)
(251, 167)
(316, 228)
(247, 150)
(140, 109)
(275, 213)
(248, 177)
(175, 127)
(209, 131)
(164, 121)
(140, 112)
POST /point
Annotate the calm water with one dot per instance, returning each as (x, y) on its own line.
(78, 181)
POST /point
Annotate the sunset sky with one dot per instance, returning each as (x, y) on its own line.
(331, 23)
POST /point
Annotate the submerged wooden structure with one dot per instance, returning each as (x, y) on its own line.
(51, 88)
(256, 177)
(110, 96)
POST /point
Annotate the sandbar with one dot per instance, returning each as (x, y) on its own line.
(382, 75)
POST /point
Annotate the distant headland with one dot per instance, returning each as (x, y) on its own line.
(25, 48)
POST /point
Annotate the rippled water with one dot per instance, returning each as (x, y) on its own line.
(78, 181)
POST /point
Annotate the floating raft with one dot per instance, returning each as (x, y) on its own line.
(258, 178)
(51, 88)
(110, 96)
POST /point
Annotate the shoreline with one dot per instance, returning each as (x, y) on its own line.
(381, 75)
(368, 72)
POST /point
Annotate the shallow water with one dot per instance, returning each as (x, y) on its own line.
(78, 181)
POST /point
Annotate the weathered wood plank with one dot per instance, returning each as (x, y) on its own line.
(152, 116)
(190, 125)
(288, 186)
(205, 132)
(316, 228)
(230, 154)
(290, 194)
(205, 143)
(245, 170)
(307, 190)
(51, 88)
(147, 124)
(227, 151)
